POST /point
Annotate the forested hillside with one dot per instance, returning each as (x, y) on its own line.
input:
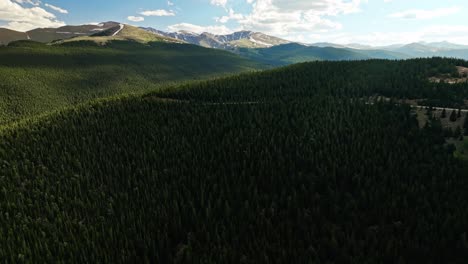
(36, 78)
(295, 53)
(284, 166)
(349, 79)
(291, 53)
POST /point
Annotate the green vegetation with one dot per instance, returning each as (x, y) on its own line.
(465, 127)
(295, 53)
(453, 116)
(349, 79)
(38, 78)
(462, 150)
(284, 166)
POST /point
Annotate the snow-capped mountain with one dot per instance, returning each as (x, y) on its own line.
(241, 39)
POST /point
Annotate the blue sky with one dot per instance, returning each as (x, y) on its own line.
(375, 22)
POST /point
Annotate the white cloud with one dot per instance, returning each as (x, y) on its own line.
(159, 12)
(219, 30)
(56, 8)
(455, 34)
(22, 18)
(136, 18)
(231, 16)
(291, 19)
(219, 2)
(283, 18)
(319, 7)
(169, 3)
(425, 14)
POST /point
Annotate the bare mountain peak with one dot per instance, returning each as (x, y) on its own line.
(239, 39)
(187, 32)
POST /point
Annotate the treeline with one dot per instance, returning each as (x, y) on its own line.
(293, 172)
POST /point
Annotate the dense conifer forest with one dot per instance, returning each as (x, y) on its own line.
(408, 79)
(292, 165)
(38, 78)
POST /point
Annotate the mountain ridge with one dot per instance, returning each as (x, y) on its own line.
(123, 32)
(236, 42)
(239, 39)
(46, 35)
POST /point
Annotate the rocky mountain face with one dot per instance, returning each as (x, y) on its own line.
(241, 39)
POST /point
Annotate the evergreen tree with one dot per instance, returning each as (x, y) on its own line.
(429, 111)
(443, 114)
(453, 116)
(465, 126)
(457, 133)
(314, 175)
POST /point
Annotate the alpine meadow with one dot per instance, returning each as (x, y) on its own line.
(236, 134)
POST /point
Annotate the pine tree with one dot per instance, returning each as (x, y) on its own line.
(444, 114)
(453, 116)
(465, 126)
(457, 133)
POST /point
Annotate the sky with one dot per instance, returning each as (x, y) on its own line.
(372, 22)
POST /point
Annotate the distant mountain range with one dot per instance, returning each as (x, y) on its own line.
(279, 51)
(47, 35)
(254, 45)
(122, 32)
(295, 53)
(241, 39)
(99, 33)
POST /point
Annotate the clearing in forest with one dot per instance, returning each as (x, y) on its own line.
(450, 79)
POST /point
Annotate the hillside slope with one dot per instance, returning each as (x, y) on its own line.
(7, 36)
(123, 32)
(46, 35)
(279, 167)
(37, 78)
(295, 53)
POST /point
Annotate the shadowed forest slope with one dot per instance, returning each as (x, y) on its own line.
(38, 78)
(274, 167)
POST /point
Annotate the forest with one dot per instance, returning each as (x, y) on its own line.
(291, 165)
(38, 78)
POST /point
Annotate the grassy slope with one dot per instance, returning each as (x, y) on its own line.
(37, 78)
(46, 35)
(127, 33)
(7, 36)
(291, 180)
